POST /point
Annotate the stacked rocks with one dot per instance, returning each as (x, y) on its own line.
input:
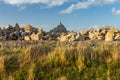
(59, 33)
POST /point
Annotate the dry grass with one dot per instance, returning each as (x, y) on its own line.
(43, 62)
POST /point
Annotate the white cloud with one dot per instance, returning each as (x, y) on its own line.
(87, 4)
(115, 11)
(49, 3)
(75, 4)
(79, 5)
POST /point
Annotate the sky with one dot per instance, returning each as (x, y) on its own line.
(47, 14)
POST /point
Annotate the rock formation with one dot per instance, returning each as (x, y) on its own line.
(59, 33)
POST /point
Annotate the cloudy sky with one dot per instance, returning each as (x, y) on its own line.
(74, 14)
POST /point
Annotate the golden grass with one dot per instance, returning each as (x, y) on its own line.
(2, 66)
(43, 62)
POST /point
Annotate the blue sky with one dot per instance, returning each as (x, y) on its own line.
(74, 14)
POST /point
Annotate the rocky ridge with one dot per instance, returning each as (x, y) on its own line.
(59, 33)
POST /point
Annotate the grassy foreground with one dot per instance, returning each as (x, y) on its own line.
(43, 62)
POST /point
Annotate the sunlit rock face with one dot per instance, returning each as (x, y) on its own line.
(111, 35)
(70, 36)
(28, 28)
(35, 36)
(27, 38)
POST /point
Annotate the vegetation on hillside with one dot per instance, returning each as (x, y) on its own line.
(45, 62)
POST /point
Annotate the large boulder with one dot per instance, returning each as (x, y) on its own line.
(63, 38)
(41, 32)
(101, 36)
(2, 38)
(28, 28)
(84, 32)
(117, 36)
(17, 33)
(12, 36)
(92, 35)
(5, 32)
(17, 27)
(25, 34)
(1, 32)
(106, 28)
(35, 36)
(9, 28)
(78, 37)
(27, 38)
(39, 35)
(84, 35)
(70, 36)
(51, 37)
(110, 35)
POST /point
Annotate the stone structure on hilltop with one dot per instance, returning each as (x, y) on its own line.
(59, 29)
(56, 32)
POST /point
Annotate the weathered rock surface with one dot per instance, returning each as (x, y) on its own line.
(111, 35)
(70, 36)
(1, 32)
(35, 36)
(27, 38)
(28, 28)
(17, 27)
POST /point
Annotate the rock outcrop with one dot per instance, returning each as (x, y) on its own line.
(59, 33)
